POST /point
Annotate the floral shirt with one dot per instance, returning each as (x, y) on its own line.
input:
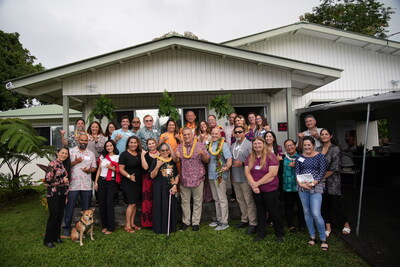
(73, 138)
(54, 179)
(314, 165)
(193, 171)
(213, 163)
(145, 134)
(333, 182)
(81, 180)
(289, 174)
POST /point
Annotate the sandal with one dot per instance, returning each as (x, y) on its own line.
(324, 246)
(104, 230)
(129, 231)
(327, 233)
(136, 227)
(346, 231)
(312, 241)
(109, 233)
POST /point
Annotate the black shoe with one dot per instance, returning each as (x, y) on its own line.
(241, 225)
(195, 228)
(50, 245)
(279, 239)
(258, 238)
(58, 241)
(252, 230)
(184, 227)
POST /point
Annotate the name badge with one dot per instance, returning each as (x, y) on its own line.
(258, 167)
(86, 158)
(237, 148)
(169, 171)
(154, 130)
(301, 159)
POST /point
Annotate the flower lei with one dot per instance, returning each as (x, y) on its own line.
(164, 160)
(218, 153)
(191, 151)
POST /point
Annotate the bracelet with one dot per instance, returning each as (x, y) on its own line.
(128, 176)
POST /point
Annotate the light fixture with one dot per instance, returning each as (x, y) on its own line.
(93, 88)
(395, 82)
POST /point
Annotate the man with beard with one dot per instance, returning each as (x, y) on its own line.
(83, 163)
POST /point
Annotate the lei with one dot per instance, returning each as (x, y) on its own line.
(78, 133)
(218, 153)
(164, 160)
(191, 151)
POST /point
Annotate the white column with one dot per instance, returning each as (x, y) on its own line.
(66, 113)
(290, 115)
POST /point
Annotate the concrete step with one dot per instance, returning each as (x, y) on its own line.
(208, 213)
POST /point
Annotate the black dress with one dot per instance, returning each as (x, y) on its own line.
(161, 187)
(133, 165)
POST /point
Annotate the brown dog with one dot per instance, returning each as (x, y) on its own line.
(84, 225)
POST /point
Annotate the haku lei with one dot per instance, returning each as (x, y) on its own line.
(218, 153)
(191, 151)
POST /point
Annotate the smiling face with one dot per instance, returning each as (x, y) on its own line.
(239, 133)
(231, 118)
(239, 121)
(215, 134)
(212, 121)
(259, 120)
(325, 136)
(171, 126)
(269, 138)
(94, 128)
(258, 146)
(133, 144)
(151, 145)
(62, 154)
(164, 150)
(80, 125)
(251, 118)
(83, 141)
(125, 123)
(148, 121)
(136, 123)
(190, 116)
(187, 136)
(308, 147)
(110, 147)
(310, 123)
(111, 128)
(290, 147)
(203, 126)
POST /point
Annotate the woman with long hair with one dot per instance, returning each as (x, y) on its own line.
(171, 136)
(241, 121)
(130, 166)
(310, 171)
(272, 144)
(147, 188)
(166, 178)
(106, 178)
(331, 199)
(111, 127)
(261, 169)
(203, 132)
(262, 126)
(57, 183)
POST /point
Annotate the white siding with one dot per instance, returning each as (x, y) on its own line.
(365, 72)
(177, 71)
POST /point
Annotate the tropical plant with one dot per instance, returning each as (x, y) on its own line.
(103, 107)
(19, 145)
(166, 108)
(221, 106)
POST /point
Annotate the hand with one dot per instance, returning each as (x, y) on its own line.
(78, 160)
(300, 135)
(237, 163)
(119, 136)
(256, 190)
(173, 190)
(292, 164)
(159, 163)
(166, 137)
(86, 169)
(224, 169)
(133, 177)
(315, 134)
(96, 186)
(65, 180)
(110, 167)
(62, 132)
(178, 154)
(254, 184)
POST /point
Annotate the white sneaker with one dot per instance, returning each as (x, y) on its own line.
(214, 224)
(222, 226)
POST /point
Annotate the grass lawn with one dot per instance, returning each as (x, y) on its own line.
(22, 226)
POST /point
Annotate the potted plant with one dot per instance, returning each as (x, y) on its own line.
(166, 108)
(103, 107)
(221, 106)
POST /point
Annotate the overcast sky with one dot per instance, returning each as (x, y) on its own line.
(58, 32)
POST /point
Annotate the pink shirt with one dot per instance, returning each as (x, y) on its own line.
(193, 171)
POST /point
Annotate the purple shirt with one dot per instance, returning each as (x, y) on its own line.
(193, 171)
(258, 172)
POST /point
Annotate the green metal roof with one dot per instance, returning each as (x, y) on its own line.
(39, 111)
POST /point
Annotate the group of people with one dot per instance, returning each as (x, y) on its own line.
(198, 159)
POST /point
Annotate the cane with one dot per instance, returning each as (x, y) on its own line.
(169, 214)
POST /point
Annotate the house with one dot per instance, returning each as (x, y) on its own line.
(273, 73)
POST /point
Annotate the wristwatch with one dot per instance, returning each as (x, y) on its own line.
(129, 176)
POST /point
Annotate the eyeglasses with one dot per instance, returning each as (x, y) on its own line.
(258, 119)
(164, 150)
(148, 120)
(135, 121)
(238, 132)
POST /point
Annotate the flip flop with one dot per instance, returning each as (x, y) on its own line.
(136, 227)
(129, 231)
(327, 233)
(346, 231)
(108, 233)
(104, 230)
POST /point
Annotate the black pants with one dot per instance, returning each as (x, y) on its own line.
(56, 211)
(333, 204)
(291, 198)
(106, 200)
(268, 201)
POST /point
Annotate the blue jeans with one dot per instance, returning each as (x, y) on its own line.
(86, 197)
(312, 213)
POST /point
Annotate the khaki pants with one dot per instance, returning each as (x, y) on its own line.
(244, 197)
(197, 193)
(220, 199)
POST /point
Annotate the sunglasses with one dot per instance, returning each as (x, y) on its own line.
(135, 121)
(164, 150)
(238, 132)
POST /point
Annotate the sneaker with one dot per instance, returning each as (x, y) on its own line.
(195, 228)
(214, 224)
(241, 225)
(222, 226)
(252, 229)
(184, 227)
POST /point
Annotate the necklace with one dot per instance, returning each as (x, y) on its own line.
(155, 151)
(236, 148)
(164, 160)
(219, 147)
(288, 157)
(78, 133)
(191, 151)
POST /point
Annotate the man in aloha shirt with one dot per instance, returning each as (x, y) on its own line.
(148, 131)
(191, 154)
(218, 178)
(312, 130)
(83, 163)
(72, 139)
(120, 136)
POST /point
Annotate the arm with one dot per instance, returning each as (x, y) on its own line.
(97, 176)
(267, 178)
(145, 166)
(99, 144)
(64, 141)
(154, 172)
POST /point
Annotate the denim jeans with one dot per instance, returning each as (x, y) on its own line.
(86, 197)
(312, 213)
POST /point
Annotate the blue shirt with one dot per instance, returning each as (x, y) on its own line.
(317, 166)
(212, 165)
(121, 143)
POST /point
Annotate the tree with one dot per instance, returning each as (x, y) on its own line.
(19, 145)
(362, 16)
(15, 61)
